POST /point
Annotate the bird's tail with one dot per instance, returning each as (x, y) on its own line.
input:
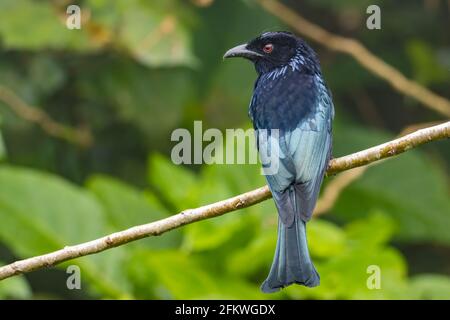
(292, 263)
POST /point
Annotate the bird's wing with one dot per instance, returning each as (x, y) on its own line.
(303, 114)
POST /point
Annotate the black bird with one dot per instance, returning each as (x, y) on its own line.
(290, 95)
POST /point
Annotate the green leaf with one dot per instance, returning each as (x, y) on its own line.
(236, 178)
(42, 213)
(210, 234)
(255, 258)
(418, 202)
(14, 288)
(176, 275)
(226, 181)
(175, 183)
(344, 275)
(156, 38)
(325, 239)
(432, 286)
(152, 100)
(31, 25)
(153, 34)
(126, 207)
(182, 189)
(375, 230)
(427, 70)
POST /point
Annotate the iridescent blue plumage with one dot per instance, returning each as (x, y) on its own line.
(290, 95)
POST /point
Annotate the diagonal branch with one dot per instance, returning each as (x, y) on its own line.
(361, 54)
(80, 136)
(332, 191)
(244, 200)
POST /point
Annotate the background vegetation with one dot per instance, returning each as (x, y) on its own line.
(139, 69)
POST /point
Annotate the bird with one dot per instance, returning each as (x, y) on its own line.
(292, 103)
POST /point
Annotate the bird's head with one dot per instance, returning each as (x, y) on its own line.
(272, 50)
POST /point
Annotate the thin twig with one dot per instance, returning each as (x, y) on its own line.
(244, 200)
(355, 49)
(80, 136)
(335, 187)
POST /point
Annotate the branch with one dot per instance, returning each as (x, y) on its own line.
(333, 189)
(355, 49)
(244, 200)
(80, 136)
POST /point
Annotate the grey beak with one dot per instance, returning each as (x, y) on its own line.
(241, 51)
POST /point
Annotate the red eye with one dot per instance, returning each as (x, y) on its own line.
(268, 48)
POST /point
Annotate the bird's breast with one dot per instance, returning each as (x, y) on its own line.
(285, 102)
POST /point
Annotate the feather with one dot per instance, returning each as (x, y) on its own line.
(298, 107)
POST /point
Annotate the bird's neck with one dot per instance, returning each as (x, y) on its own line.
(297, 64)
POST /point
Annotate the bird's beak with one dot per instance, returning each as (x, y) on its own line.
(242, 51)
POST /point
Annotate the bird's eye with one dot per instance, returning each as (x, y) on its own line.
(268, 48)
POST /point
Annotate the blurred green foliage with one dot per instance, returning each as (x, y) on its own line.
(137, 70)
(226, 257)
